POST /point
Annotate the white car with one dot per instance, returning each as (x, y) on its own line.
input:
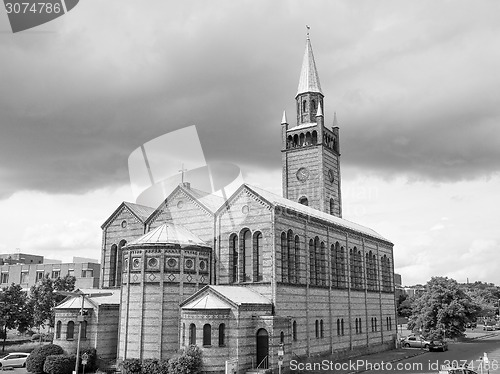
(14, 359)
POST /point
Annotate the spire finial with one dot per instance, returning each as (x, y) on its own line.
(308, 28)
(320, 111)
(182, 173)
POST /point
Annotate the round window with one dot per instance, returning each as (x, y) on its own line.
(152, 262)
(245, 209)
(202, 265)
(171, 262)
(180, 204)
(124, 224)
(136, 262)
(189, 263)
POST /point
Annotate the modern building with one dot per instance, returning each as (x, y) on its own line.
(254, 274)
(27, 269)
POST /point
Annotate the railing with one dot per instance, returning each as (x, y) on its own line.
(264, 364)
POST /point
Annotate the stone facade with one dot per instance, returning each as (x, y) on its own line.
(256, 273)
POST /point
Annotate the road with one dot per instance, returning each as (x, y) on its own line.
(459, 353)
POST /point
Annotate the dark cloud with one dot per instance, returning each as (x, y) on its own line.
(414, 94)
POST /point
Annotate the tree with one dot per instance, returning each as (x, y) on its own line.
(14, 310)
(43, 299)
(404, 306)
(443, 309)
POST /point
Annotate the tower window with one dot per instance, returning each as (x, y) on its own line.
(304, 106)
(303, 200)
(313, 104)
(207, 335)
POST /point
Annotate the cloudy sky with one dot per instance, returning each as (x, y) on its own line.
(415, 84)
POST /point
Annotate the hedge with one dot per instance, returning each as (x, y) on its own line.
(35, 361)
(59, 364)
(189, 362)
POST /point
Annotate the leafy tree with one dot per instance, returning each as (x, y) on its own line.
(14, 310)
(404, 306)
(443, 309)
(43, 299)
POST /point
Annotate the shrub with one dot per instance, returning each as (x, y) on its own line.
(154, 366)
(91, 362)
(131, 366)
(189, 362)
(59, 364)
(35, 361)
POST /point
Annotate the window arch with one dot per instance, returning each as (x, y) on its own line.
(295, 140)
(301, 139)
(338, 326)
(294, 331)
(112, 265)
(70, 330)
(297, 259)
(284, 258)
(119, 256)
(332, 206)
(317, 258)
(246, 254)
(222, 335)
(321, 330)
(385, 264)
(233, 250)
(282, 337)
(192, 334)
(303, 200)
(322, 278)
(312, 263)
(207, 334)
(84, 330)
(258, 252)
(58, 329)
(304, 106)
(357, 327)
(291, 256)
(317, 328)
(308, 138)
(314, 137)
(313, 106)
(342, 325)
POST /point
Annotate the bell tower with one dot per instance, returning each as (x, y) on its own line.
(310, 150)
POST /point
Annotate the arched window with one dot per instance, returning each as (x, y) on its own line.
(385, 264)
(317, 329)
(294, 331)
(289, 141)
(318, 261)
(314, 137)
(375, 323)
(207, 334)
(357, 327)
(303, 200)
(122, 244)
(112, 265)
(304, 106)
(332, 206)
(340, 264)
(291, 256)
(70, 330)
(222, 335)
(233, 249)
(323, 261)
(183, 334)
(373, 328)
(297, 259)
(295, 140)
(192, 334)
(342, 325)
(312, 263)
(360, 329)
(338, 327)
(58, 330)
(246, 254)
(259, 257)
(313, 106)
(284, 258)
(301, 139)
(282, 337)
(84, 330)
(321, 331)
(308, 138)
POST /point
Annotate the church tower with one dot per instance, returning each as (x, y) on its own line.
(310, 151)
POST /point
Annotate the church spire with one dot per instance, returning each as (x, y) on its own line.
(309, 78)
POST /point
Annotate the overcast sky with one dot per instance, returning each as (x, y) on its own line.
(415, 84)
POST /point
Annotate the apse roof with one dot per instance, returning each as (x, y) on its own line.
(220, 297)
(96, 298)
(281, 201)
(169, 233)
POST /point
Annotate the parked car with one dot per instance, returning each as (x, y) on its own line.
(459, 370)
(415, 342)
(489, 327)
(14, 359)
(438, 345)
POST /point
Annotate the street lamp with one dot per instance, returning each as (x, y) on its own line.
(81, 318)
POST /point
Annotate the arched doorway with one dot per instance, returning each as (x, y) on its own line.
(262, 349)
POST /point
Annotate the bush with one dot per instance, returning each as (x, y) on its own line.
(35, 361)
(131, 366)
(91, 362)
(59, 364)
(189, 362)
(153, 366)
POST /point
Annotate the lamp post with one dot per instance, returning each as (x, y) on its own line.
(81, 318)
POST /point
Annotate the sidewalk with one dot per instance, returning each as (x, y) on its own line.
(360, 363)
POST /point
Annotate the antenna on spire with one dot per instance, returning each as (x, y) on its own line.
(308, 28)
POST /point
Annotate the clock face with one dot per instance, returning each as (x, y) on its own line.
(302, 174)
(331, 176)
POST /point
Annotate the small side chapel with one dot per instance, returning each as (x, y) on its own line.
(244, 277)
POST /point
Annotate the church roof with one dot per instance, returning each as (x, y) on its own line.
(94, 299)
(309, 78)
(169, 233)
(283, 202)
(209, 200)
(141, 212)
(222, 297)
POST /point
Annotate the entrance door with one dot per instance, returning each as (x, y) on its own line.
(262, 349)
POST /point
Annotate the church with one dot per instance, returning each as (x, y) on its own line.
(254, 279)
